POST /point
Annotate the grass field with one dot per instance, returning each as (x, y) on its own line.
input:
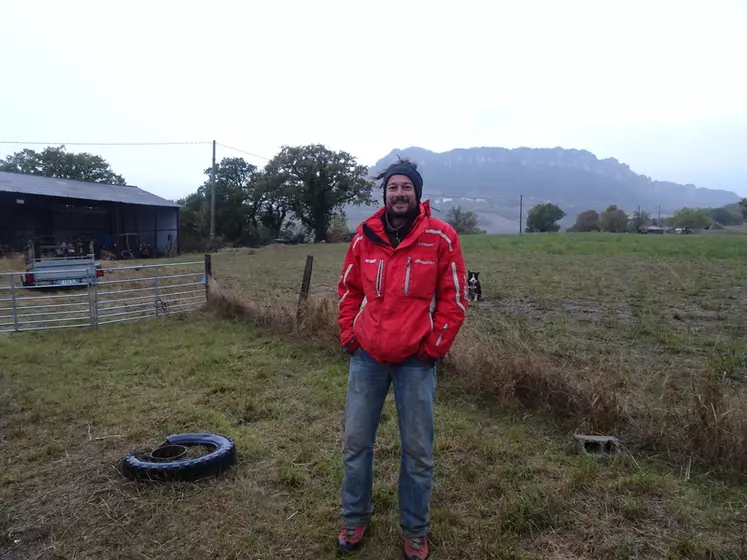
(637, 336)
(643, 336)
(508, 486)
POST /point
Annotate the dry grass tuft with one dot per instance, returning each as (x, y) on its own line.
(709, 430)
(503, 367)
(717, 431)
(318, 317)
(231, 303)
(13, 263)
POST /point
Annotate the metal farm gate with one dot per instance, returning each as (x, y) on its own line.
(125, 293)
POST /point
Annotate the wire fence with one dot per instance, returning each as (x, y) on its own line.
(99, 296)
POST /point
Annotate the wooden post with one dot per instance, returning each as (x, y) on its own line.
(305, 285)
(208, 275)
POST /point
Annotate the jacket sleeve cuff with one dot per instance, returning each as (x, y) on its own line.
(351, 346)
(424, 356)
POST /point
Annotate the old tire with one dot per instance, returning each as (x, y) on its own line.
(218, 460)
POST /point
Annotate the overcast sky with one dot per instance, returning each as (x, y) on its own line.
(658, 84)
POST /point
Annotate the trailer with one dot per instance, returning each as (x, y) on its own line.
(69, 269)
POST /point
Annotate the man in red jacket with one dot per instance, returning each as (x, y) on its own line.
(403, 298)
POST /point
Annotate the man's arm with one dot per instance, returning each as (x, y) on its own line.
(350, 293)
(451, 304)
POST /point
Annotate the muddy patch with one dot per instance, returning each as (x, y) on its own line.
(582, 310)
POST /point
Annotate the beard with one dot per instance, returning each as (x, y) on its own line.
(402, 207)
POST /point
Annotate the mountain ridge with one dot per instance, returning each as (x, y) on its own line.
(490, 180)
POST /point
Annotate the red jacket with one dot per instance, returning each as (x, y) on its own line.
(396, 303)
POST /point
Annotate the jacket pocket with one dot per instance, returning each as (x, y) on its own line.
(420, 278)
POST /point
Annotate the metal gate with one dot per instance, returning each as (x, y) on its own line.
(125, 293)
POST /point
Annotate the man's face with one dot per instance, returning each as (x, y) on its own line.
(401, 200)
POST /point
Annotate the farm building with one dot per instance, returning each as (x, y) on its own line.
(59, 212)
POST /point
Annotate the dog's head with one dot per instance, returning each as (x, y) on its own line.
(472, 277)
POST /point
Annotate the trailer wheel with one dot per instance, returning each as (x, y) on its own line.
(144, 466)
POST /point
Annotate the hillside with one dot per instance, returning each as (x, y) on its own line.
(491, 180)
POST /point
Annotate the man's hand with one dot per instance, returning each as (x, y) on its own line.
(351, 347)
(426, 358)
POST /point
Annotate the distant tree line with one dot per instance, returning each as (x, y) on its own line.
(544, 218)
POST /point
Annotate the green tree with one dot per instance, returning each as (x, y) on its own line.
(320, 182)
(588, 220)
(639, 219)
(463, 222)
(743, 206)
(57, 162)
(693, 218)
(614, 220)
(728, 215)
(235, 206)
(272, 202)
(194, 219)
(542, 218)
(338, 228)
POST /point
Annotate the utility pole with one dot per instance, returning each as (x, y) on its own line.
(212, 196)
(521, 210)
(659, 214)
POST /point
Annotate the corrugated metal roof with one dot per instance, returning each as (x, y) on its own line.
(21, 183)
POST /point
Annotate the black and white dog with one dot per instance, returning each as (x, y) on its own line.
(474, 292)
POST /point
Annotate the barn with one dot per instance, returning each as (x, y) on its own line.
(56, 213)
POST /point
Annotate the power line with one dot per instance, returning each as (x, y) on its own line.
(104, 143)
(135, 144)
(243, 151)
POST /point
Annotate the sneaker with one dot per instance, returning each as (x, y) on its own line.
(350, 538)
(416, 548)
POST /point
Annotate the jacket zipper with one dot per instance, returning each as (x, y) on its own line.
(360, 312)
(379, 277)
(441, 336)
(407, 275)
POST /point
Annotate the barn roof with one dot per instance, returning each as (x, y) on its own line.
(21, 183)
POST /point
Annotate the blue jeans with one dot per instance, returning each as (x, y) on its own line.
(414, 389)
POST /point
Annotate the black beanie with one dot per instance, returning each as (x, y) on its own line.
(410, 172)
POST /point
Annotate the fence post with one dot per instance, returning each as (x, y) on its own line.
(208, 275)
(93, 298)
(305, 285)
(95, 303)
(14, 302)
(155, 284)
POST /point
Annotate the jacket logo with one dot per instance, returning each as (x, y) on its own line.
(372, 261)
(424, 262)
(424, 244)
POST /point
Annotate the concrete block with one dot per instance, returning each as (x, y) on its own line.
(597, 446)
